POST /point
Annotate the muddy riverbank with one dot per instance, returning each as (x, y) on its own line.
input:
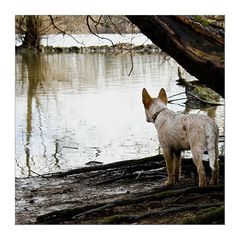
(127, 192)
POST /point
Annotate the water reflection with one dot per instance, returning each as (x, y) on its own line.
(33, 68)
(75, 108)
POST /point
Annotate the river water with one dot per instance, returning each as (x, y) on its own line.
(75, 108)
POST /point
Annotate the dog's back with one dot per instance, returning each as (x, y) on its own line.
(183, 132)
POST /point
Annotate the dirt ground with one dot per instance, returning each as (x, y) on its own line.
(128, 192)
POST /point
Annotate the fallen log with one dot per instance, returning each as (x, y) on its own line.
(120, 164)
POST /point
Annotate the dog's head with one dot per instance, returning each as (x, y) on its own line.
(152, 106)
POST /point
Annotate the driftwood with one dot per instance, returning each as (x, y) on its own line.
(119, 193)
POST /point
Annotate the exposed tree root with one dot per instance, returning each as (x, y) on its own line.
(122, 218)
(207, 216)
(123, 192)
(84, 211)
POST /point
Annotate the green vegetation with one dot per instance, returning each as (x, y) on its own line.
(210, 20)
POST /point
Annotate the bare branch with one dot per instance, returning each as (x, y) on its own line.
(114, 25)
(63, 32)
(96, 22)
(20, 24)
(131, 57)
(89, 28)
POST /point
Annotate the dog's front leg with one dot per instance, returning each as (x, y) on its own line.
(168, 155)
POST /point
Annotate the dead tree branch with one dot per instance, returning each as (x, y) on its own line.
(89, 28)
(60, 30)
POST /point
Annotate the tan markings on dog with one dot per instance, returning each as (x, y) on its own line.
(163, 96)
(177, 132)
(146, 98)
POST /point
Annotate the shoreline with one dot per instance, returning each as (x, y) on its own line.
(119, 48)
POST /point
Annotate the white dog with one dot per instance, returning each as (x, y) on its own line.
(177, 132)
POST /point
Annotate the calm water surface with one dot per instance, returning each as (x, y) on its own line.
(75, 108)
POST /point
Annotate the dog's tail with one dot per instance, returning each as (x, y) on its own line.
(212, 145)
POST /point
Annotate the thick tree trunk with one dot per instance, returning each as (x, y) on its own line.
(32, 33)
(196, 46)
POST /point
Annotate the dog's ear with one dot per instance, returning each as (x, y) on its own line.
(163, 96)
(146, 98)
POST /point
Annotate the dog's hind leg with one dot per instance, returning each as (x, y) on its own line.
(177, 167)
(213, 161)
(212, 147)
(168, 155)
(197, 159)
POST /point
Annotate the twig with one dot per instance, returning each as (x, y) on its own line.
(97, 22)
(38, 174)
(114, 25)
(69, 147)
(173, 100)
(174, 95)
(131, 57)
(89, 28)
(63, 32)
(20, 25)
(128, 21)
(138, 175)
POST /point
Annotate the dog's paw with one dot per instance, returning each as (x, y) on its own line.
(168, 183)
(214, 182)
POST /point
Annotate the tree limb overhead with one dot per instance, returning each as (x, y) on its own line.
(196, 45)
